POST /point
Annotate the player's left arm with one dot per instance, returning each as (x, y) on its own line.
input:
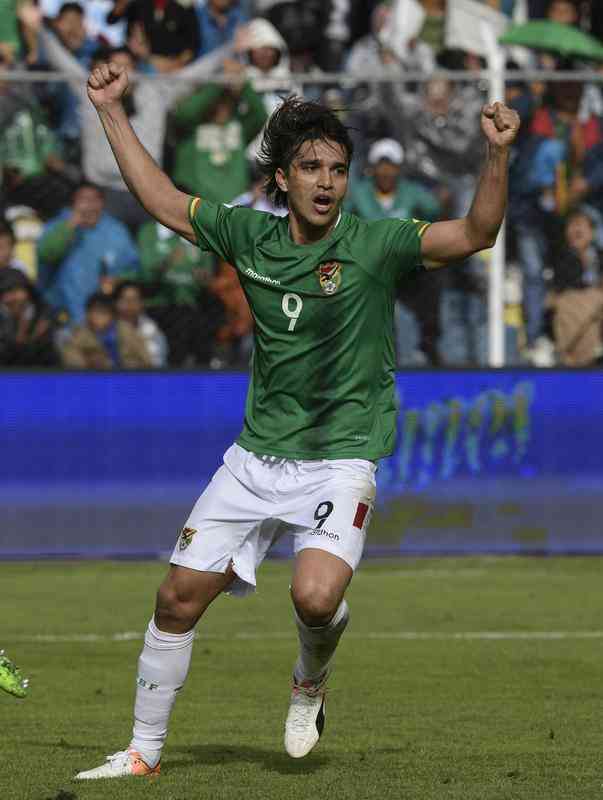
(457, 239)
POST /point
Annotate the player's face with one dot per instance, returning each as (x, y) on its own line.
(316, 182)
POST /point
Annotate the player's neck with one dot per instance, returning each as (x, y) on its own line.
(301, 232)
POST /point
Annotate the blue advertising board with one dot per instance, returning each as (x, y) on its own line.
(485, 461)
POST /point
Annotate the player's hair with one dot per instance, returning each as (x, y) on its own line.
(294, 122)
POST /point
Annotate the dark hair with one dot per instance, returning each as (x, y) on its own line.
(103, 53)
(100, 55)
(123, 285)
(87, 185)
(579, 211)
(123, 48)
(70, 6)
(294, 122)
(11, 279)
(6, 229)
(100, 300)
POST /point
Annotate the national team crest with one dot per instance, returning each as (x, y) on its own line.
(329, 277)
(186, 537)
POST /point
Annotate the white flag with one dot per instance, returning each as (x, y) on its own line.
(465, 22)
(404, 24)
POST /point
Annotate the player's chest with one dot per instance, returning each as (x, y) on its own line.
(329, 276)
(298, 297)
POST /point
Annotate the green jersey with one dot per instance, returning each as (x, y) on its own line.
(322, 382)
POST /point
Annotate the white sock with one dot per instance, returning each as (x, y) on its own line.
(162, 669)
(317, 645)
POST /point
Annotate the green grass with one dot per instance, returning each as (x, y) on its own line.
(421, 719)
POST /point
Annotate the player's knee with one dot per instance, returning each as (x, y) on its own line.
(175, 608)
(315, 604)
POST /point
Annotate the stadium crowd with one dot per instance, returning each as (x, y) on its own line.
(87, 280)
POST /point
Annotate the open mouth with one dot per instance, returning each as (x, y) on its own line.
(322, 203)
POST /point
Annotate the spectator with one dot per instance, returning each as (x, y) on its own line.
(577, 302)
(383, 47)
(215, 126)
(579, 262)
(218, 21)
(234, 338)
(147, 103)
(26, 327)
(95, 20)
(316, 31)
(361, 13)
(267, 58)
(70, 29)
(384, 193)
(175, 276)
(80, 248)
(558, 150)
(441, 142)
(32, 169)
(256, 197)
(170, 28)
(564, 12)
(104, 343)
(10, 42)
(268, 55)
(434, 25)
(129, 307)
(7, 246)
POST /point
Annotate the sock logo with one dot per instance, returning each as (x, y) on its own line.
(146, 684)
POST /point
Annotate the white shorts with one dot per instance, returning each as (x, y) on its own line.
(253, 500)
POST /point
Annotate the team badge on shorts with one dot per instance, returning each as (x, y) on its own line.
(329, 277)
(186, 537)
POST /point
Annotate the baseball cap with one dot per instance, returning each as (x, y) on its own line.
(386, 149)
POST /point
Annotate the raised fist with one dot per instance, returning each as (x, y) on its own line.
(107, 84)
(500, 124)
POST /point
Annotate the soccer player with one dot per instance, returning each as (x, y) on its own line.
(11, 679)
(320, 410)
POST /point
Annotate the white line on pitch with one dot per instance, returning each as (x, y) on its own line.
(127, 636)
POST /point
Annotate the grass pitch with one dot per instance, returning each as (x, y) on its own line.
(460, 679)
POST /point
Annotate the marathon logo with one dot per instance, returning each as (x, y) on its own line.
(257, 277)
(329, 534)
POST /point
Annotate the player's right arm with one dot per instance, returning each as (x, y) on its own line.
(107, 84)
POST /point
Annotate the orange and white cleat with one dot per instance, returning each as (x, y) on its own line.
(120, 765)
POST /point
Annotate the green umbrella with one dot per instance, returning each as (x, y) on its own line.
(555, 38)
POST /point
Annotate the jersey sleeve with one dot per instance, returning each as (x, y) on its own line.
(223, 230)
(403, 247)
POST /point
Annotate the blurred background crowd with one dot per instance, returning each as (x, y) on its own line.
(88, 280)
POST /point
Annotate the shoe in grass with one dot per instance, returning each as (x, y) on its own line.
(11, 679)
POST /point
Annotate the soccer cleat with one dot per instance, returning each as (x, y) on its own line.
(120, 765)
(306, 717)
(11, 679)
